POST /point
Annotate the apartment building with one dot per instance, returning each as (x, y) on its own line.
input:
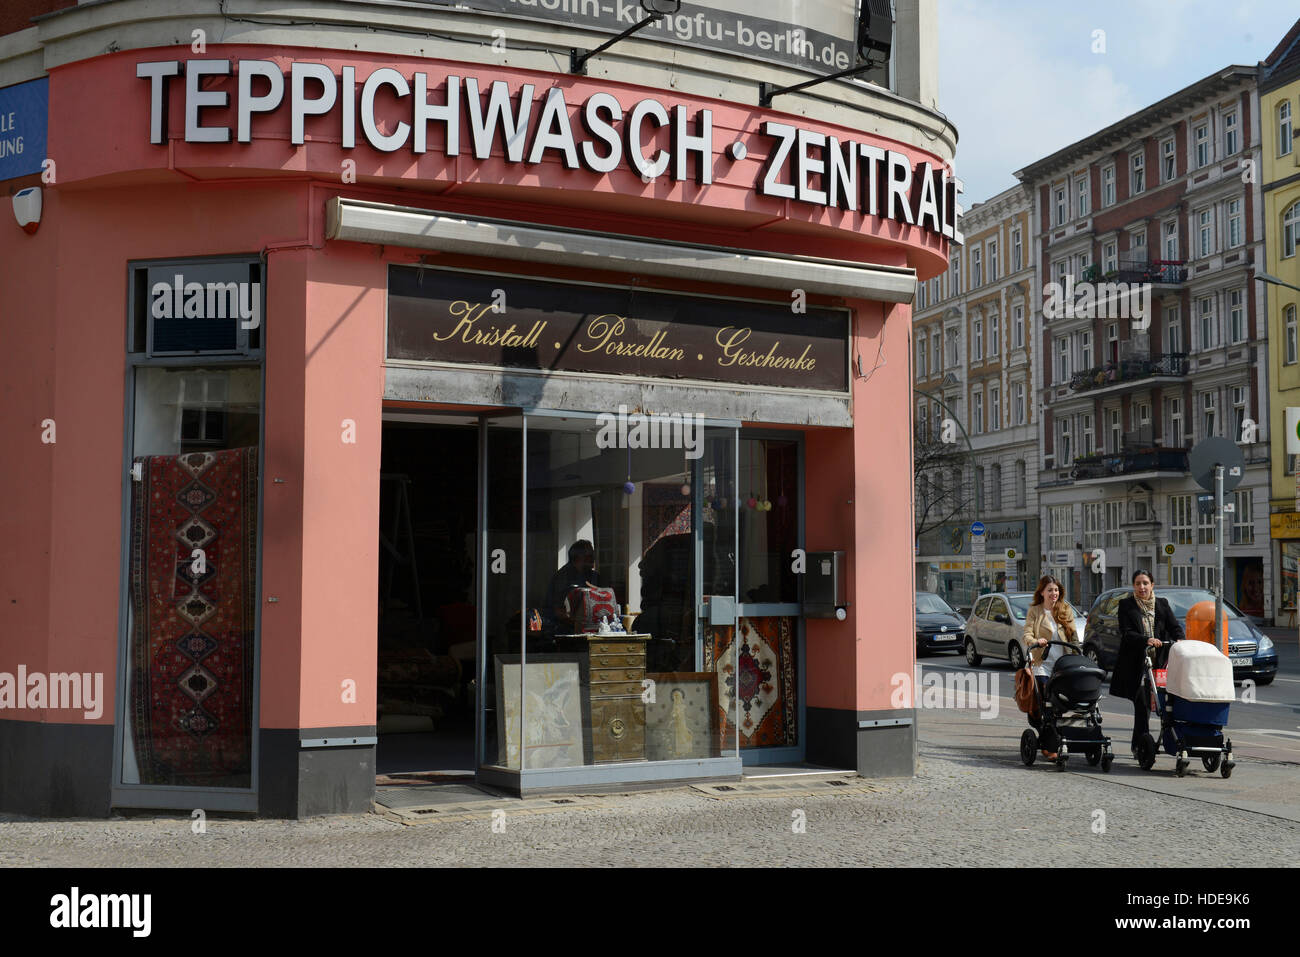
(1146, 235)
(974, 364)
(1279, 103)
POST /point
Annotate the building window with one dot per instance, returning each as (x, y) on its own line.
(1209, 414)
(1234, 223)
(993, 259)
(1108, 185)
(920, 357)
(1174, 422)
(1085, 350)
(936, 352)
(1205, 231)
(1081, 195)
(1182, 575)
(1060, 206)
(921, 422)
(1237, 315)
(1109, 258)
(979, 490)
(1114, 519)
(954, 347)
(1208, 328)
(1168, 161)
(1112, 341)
(1116, 430)
(921, 302)
(995, 408)
(956, 275)
(977, 339)
(1202, 136)
(1087, 435)
(1137, 178)
(1291, 344)
(995, 335)
(1062, 360)
(936, 420)
(997, 487)
(1180, 519)
(1290, 229)
(1094, 529)
(1171, 240)
(1018, 326)
(977, 406)
(1017, 251)
(1018, 403)
(1173, 330)
(976, 269)
(1060, 528)
(1020, 484)
(1243, 524)
(1230, 145)
(1207, 575)
(1238, 411)
(1284, 128)
(1063, 457)
(1204, 525)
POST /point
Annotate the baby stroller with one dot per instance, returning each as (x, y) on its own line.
(1193, 706)
(1071, 711)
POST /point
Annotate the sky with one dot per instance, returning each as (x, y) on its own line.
(1019, 78)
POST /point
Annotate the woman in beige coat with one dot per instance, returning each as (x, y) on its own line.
(1049, 618)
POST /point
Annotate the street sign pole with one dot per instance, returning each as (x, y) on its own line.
(1218, 554)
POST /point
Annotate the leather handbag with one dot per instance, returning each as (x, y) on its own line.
(1026, 691)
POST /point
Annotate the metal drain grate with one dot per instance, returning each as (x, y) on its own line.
(837, 784)
(561, 801)
(425, 810)
(723, 787)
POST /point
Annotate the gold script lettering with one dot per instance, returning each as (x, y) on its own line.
(730, 339)
(606, 334)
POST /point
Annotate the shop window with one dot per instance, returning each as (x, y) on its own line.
(196, 308)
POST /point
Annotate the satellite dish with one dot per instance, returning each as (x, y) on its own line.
(1216, 451)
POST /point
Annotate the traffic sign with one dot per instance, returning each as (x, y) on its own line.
(977, 529)
(1208, 453)
(1011, 554)
(1170, 549)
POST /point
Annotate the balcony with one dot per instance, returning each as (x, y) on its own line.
(1166, 272)
(1129, 462)
(1170, 364)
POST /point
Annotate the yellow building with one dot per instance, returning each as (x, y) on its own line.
(1279, 99)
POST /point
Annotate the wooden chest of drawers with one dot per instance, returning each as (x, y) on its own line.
(615, 672)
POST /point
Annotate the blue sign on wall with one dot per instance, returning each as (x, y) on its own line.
(24, 121)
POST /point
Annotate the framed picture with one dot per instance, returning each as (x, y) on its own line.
(557, 725)
(682, 720)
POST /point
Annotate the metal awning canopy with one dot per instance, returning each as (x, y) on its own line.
(359, 221)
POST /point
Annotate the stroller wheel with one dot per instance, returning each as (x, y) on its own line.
(1211, 762)
(1094, 756)
(1028, 747)
(1181, 767)
(1106, 760)
(1146, 752)
(1061, 759)
(1226, 769)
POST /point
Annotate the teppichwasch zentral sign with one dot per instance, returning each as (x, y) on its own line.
(815, 35)
(505, 321)
(390, 111)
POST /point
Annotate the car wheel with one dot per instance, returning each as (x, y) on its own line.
(1016, 655)
(1211, 762)
(973, 658)
(1028, 747)
(1264, 680)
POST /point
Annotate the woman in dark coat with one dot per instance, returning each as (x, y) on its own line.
(1147, 626)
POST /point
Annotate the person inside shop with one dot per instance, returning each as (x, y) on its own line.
(1147, 626)
(578, 572)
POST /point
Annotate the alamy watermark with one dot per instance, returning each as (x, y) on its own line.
(972, 690)
(59, 691)
(637, 430)
(179, 299)
(1098, 300)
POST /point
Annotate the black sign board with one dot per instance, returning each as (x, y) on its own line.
(511, 322)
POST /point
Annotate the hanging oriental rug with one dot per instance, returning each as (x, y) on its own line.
(193, 603)
(759, 670)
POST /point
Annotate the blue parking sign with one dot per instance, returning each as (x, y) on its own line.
(24, 122)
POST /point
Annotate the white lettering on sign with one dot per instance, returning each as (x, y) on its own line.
(398, 111)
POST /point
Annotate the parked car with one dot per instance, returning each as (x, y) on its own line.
(996, 627)
(938, 627)
(1252, 652)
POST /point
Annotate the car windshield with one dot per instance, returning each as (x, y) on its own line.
(930, 604)
(1020, 606)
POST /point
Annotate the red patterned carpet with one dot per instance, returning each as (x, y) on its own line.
(759, 670)
(192, 641)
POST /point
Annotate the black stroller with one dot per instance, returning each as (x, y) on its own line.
(1071, 711)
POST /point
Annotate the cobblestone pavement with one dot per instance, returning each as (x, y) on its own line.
(964, 808)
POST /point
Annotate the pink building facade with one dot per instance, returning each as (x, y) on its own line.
(316, 365)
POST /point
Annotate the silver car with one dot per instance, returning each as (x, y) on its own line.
(996, 627)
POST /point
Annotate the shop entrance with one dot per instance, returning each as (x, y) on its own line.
(426, 630)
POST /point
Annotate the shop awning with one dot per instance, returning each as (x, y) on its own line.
(366, 222)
